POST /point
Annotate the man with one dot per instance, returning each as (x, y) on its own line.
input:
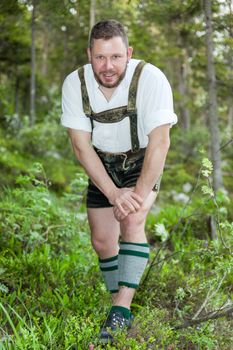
(118, 111)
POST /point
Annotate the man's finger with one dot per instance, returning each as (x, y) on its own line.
(131, 206)
(136, 197)
(118, 215)
(120, 207)
(132, 202)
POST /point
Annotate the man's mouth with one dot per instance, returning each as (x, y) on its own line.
(108, 75)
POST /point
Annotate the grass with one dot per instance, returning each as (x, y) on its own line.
(52, 294)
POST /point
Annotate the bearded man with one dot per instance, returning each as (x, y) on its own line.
(118, 111)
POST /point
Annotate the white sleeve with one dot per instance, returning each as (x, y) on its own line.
(157, 102)
(73, 115)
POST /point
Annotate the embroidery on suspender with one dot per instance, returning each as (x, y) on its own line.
(131, 107)
(85, 97)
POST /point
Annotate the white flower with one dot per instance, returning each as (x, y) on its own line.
(187, 187)
(161, 232)
(73, 11)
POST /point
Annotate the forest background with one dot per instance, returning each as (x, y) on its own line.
(51, 292)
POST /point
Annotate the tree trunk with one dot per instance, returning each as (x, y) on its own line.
(230, 63)
(182, 64)
(212, 103)
(92, 13)
(64, 70)
(44, 67)
(33, 67)
(230, 117)
(17, 82)
(182, 88)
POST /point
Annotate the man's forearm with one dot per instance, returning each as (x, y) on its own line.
(95, 170)
(152, 168)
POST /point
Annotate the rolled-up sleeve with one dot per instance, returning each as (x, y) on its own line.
(158, 101)
(73, 115)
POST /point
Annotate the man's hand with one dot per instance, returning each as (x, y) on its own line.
(125, 201)
(119, 215)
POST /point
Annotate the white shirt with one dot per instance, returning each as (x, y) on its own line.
(154, 105)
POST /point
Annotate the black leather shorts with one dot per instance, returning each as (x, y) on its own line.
(124, 170)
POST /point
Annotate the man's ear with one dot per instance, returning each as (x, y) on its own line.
(129, 52)
(89, 54)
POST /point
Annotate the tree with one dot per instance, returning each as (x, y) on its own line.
(212, 99)
(14, 57)
(173, 41)
(92, 13)
(33, 65)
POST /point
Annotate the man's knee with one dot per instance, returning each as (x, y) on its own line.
(99, 244)
(102, 245)
(133, 222)
(136, 221)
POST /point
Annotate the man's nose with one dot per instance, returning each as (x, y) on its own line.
(108, 63)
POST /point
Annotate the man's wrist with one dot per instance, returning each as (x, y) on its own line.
(142, 191)
(111, 194)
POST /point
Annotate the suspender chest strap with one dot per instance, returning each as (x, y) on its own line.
(116, 114)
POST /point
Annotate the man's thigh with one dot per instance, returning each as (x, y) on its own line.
(103, 224)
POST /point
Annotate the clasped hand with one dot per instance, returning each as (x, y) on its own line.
(126, 202)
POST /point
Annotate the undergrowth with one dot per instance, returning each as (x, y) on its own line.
(51, 292)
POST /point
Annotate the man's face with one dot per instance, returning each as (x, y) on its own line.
(109, 60)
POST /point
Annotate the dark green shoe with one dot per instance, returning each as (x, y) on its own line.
(114, 322)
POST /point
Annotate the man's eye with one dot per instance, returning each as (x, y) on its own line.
(100, 57)
(115, 57)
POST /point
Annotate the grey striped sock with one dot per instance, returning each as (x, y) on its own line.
(132, 262)
(109, 268)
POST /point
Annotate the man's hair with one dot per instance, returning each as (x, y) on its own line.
(107, 30)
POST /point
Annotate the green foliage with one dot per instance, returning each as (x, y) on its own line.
(40, 267)
(46, 142)
(30, 212)
(52, 294)
(192, 272)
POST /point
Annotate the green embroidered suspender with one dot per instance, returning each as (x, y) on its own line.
(116, 114)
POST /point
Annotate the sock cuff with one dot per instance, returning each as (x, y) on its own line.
(122, 243)
(134, 249)
(112, 258)
(128, 284)
(109, 264)
(113, 291)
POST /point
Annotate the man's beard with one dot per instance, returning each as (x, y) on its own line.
(110, 85)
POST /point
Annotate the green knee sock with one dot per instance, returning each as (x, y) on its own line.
(132, 261)
(109, 268)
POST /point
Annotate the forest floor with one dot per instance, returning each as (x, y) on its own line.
(53, 296)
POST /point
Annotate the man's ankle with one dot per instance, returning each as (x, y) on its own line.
(114, 298)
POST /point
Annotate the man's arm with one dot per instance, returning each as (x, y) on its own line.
(155, 156)
(124, 199)
(153, 165)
